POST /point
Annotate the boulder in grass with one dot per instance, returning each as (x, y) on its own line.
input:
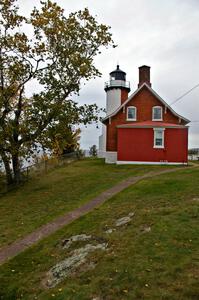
(68, 266)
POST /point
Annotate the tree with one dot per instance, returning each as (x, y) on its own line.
(93, 151)
(58, 56)
(72, 142)
(63, 139)
(193, 151)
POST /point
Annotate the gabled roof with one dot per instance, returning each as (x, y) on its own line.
(154, 93)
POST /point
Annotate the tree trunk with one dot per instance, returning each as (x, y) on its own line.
(9, 177)
(16, 168)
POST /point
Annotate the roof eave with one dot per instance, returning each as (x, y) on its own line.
(152, 126)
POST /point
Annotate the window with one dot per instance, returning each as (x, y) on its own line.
(157, 113)
(158, 138)
(131, 113)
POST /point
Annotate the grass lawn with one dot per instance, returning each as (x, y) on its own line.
(160, 264)
(194, 161)
(61, 190)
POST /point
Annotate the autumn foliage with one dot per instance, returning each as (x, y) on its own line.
(55, 57)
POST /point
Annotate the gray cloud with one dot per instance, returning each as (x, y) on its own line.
(162, 34)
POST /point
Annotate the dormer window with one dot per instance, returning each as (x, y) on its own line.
(157, 113)
(131, 113)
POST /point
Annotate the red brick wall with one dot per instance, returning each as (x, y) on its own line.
(136, 144)
(124, 95)
(144, 101)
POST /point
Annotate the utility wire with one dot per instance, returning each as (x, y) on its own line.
(179, 98)
(194, 125)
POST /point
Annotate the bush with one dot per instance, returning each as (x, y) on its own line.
(93, 151)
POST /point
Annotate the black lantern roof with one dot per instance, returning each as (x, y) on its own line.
(118, 74)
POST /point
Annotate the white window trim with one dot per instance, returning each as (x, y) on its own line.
(153, 113)
(133, 119)
(154, 138)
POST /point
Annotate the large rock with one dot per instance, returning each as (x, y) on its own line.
(67, 266)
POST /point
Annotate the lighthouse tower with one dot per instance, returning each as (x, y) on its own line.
(117, 89)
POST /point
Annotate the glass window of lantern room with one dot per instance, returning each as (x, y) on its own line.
(131, 113)
(157, 113)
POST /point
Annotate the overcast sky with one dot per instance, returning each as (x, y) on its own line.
(161, 34)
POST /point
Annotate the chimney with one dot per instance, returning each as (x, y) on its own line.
(144, 75)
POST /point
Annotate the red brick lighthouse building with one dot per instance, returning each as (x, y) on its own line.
(141, 128)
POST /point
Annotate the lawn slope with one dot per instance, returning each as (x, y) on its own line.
(159, 264)
(63, 189)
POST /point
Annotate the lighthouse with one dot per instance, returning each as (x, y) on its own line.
(117, 89)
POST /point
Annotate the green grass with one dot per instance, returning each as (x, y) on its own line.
(161, 264)
(63, 189)
(194, 161)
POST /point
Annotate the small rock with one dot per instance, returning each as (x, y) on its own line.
(196, 199)
(76, 238)
(122, 221)
(131, 214)
(109, 231)
(148, 270)
(145, 229)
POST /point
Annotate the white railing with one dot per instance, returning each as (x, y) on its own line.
(117, 83)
